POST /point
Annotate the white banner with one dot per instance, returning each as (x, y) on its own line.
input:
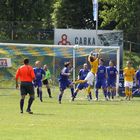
(87, 37)
(5, 62)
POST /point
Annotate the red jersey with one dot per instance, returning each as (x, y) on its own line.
(25, 73)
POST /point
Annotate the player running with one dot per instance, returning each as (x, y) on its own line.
(64, 81)
(39, 74)
(101, 79)
(81, 76)
(129, 74)
(111, 79)
(46, 80)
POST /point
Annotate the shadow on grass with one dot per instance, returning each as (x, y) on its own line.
(43, 114)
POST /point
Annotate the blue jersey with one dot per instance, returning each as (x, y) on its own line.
(101, 72)
(63, 74)
(138, 75)
(83, 73)
(111, 73)
(39, 72)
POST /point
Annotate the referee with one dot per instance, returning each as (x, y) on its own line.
(26, 75)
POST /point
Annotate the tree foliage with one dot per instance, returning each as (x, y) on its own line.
(125, 14)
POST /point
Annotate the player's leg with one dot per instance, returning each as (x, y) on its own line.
(22, 103)
(31, 99)
(75, 93)
(89, 79)
(126, 84)
(37, 91)
(126, 92)
(62, 87)
(23, 94)
(104, 87)
(70, 85)
(130, 89)
(108, 92)
(113, 92)
(89, 93)
(49, 90)
(105, 93)
(39, 85)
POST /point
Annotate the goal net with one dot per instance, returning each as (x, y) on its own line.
(53, 56)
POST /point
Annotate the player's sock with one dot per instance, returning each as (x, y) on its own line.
(74, 96)
(105, 94)
(112, 95)
(90, 96)
(37, 92)
(60, 97)
(108, 94)
(21, 105)
(130, 93)
(40, 95)
(49, 92)
(126, 93)
(30, 101)
(72, 92)
(96, 92)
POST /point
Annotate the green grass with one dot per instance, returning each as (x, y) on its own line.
(79, 120)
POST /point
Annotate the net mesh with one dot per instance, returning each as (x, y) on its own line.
(52, 55)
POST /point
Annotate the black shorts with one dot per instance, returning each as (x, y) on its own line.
(26, 88)
(45, 82)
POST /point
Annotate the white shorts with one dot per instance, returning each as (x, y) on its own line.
(90, 78)
(128, 84)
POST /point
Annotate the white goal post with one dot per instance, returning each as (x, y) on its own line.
(57, 50)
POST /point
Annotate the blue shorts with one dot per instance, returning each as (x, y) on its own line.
(111, 83)
(64, 84)
(82, 85)
(100, 83)
(38, 83)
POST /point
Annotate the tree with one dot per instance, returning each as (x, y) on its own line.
(125, 14)
(72, 14)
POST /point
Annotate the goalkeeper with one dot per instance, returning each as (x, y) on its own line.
(93, 60)
(46, 80)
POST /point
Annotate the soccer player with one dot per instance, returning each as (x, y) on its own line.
(45, 80)
(129, 74)
(111, 79)
(81, 76)
(93, 60)
(137, 77)
(26, 75)
(101, 79)
(64, 81)
(39, 74)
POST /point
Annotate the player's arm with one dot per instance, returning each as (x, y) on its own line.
(63, 72)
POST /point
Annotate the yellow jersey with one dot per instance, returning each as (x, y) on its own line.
(129, 74)
(94, 65)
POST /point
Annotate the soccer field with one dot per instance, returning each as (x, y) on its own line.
(79, 120)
